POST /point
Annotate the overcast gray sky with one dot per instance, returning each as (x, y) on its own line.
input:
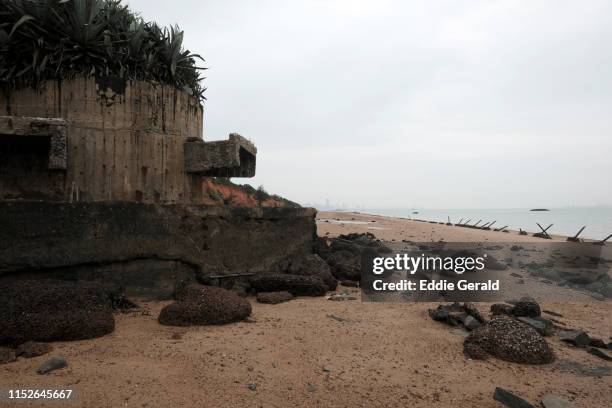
(438, 104)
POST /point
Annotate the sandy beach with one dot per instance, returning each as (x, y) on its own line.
(333, 223)
(314, 352)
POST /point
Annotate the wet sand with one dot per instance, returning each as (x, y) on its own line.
(317, 353)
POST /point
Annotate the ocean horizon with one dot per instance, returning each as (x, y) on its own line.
(566, 221)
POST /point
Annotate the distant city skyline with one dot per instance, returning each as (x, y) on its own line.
(445, 104)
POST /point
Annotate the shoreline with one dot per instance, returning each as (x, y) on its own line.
(314, 352)
(419, 227)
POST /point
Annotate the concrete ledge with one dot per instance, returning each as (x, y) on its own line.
(53, 128)
(235, 157)
(140, 245)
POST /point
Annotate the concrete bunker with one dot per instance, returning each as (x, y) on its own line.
(105, 182)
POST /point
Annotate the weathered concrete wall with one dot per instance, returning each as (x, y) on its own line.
(143, 246)
(125, 142)
(235, 157)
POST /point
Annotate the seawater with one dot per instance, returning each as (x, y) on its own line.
(566, 221)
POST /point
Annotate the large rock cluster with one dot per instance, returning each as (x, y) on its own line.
(343, 254)
(205, 305)
(44, 310)
(313, 265)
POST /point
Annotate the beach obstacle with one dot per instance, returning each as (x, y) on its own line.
(603, 241)
(449, 222)
(502, 228)
(575, 237)
(521, 232)
(465, 224)
(472, 226)
(544, 234)
(459, 223)
(487, 226)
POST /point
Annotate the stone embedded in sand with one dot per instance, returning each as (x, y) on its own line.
(452, 314)
(599, 343)
(542, 326)
(598, 353)
(510, 340)
(297, 285)
(456, 314)
(313, 265)
(576, 338)
(509, 399)
(46, 310)
(54, 363)
(7, 355)
(526, 307)
(33, 349)
(471, 310)
(205, 305)
(274, 298)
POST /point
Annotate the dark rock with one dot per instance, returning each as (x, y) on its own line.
(601, 354)
(252, 386)
(452, 314)
(599, 343)
(516, 275)
(471, 323)
(510, 400)
(350, 283)
(314, 265)
(575, 337)
(204, 305)
(595, 286)
(542, 326)
(344, 264)
(501, 309)
(343, 254)
(456, 314)
(7, 355)
(554, 401)
(471, 310)
(598, 296)
(54, 363)
(46, 310)
(274, 298)
(607, 290)
(33, 349)
(120, 302)
(509, 340)
(526, 307)
(297, 285)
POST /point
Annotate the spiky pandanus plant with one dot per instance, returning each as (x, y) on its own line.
(61, 39)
